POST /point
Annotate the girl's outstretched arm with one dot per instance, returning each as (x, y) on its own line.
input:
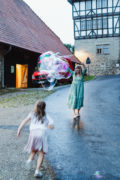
(50, 122)
(25, 121)
(84, 70)
(51, 126)
(83, 65)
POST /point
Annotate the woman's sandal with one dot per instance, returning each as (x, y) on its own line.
(74, 117)
(78, 115)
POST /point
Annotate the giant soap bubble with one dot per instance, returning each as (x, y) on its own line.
(52, 67)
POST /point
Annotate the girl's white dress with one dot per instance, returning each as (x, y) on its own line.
(37, 140)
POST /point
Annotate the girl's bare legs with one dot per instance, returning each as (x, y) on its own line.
(32, 154)
(39, 160)
(29, 161)
(38, 173)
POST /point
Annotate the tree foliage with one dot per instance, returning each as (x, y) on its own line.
(70, 48)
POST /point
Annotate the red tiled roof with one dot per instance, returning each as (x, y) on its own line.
(21, 27)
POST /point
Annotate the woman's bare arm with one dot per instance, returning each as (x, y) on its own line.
(83, 65)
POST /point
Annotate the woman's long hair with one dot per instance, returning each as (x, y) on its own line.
(40, 110)
(78, 70)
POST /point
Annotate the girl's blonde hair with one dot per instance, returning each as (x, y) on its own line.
(40, 110)
(78, 70)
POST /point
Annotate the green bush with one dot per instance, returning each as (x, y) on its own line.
(88, 78)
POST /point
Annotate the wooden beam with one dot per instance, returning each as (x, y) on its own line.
(72, 1)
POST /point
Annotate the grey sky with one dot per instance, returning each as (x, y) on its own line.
(57, 14)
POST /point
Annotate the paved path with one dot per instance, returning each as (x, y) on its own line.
(77, 153)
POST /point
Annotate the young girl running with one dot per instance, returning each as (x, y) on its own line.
(37, 141)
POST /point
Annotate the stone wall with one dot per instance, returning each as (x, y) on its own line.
(101, 64)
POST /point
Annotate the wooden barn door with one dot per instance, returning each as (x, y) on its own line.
(21, 75)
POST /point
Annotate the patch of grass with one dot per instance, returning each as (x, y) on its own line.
(5, 91)
(88, 78)
(23, 98)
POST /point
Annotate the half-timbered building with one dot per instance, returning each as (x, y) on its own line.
(97, 34)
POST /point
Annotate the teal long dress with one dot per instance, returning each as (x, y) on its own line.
(76, 93)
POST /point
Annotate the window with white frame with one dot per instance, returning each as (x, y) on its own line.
(106, 49)
(88, 5)
(104, 23)
(102, 49)
(89, 24)
(99, 49)
(104, 3)
(94, 23)
(12, 69)
(99, 23)
(83, 25)
(98, 3)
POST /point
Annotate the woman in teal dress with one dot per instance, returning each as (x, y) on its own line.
(76, 94)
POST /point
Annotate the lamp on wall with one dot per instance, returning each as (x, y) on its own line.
(88, 61)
